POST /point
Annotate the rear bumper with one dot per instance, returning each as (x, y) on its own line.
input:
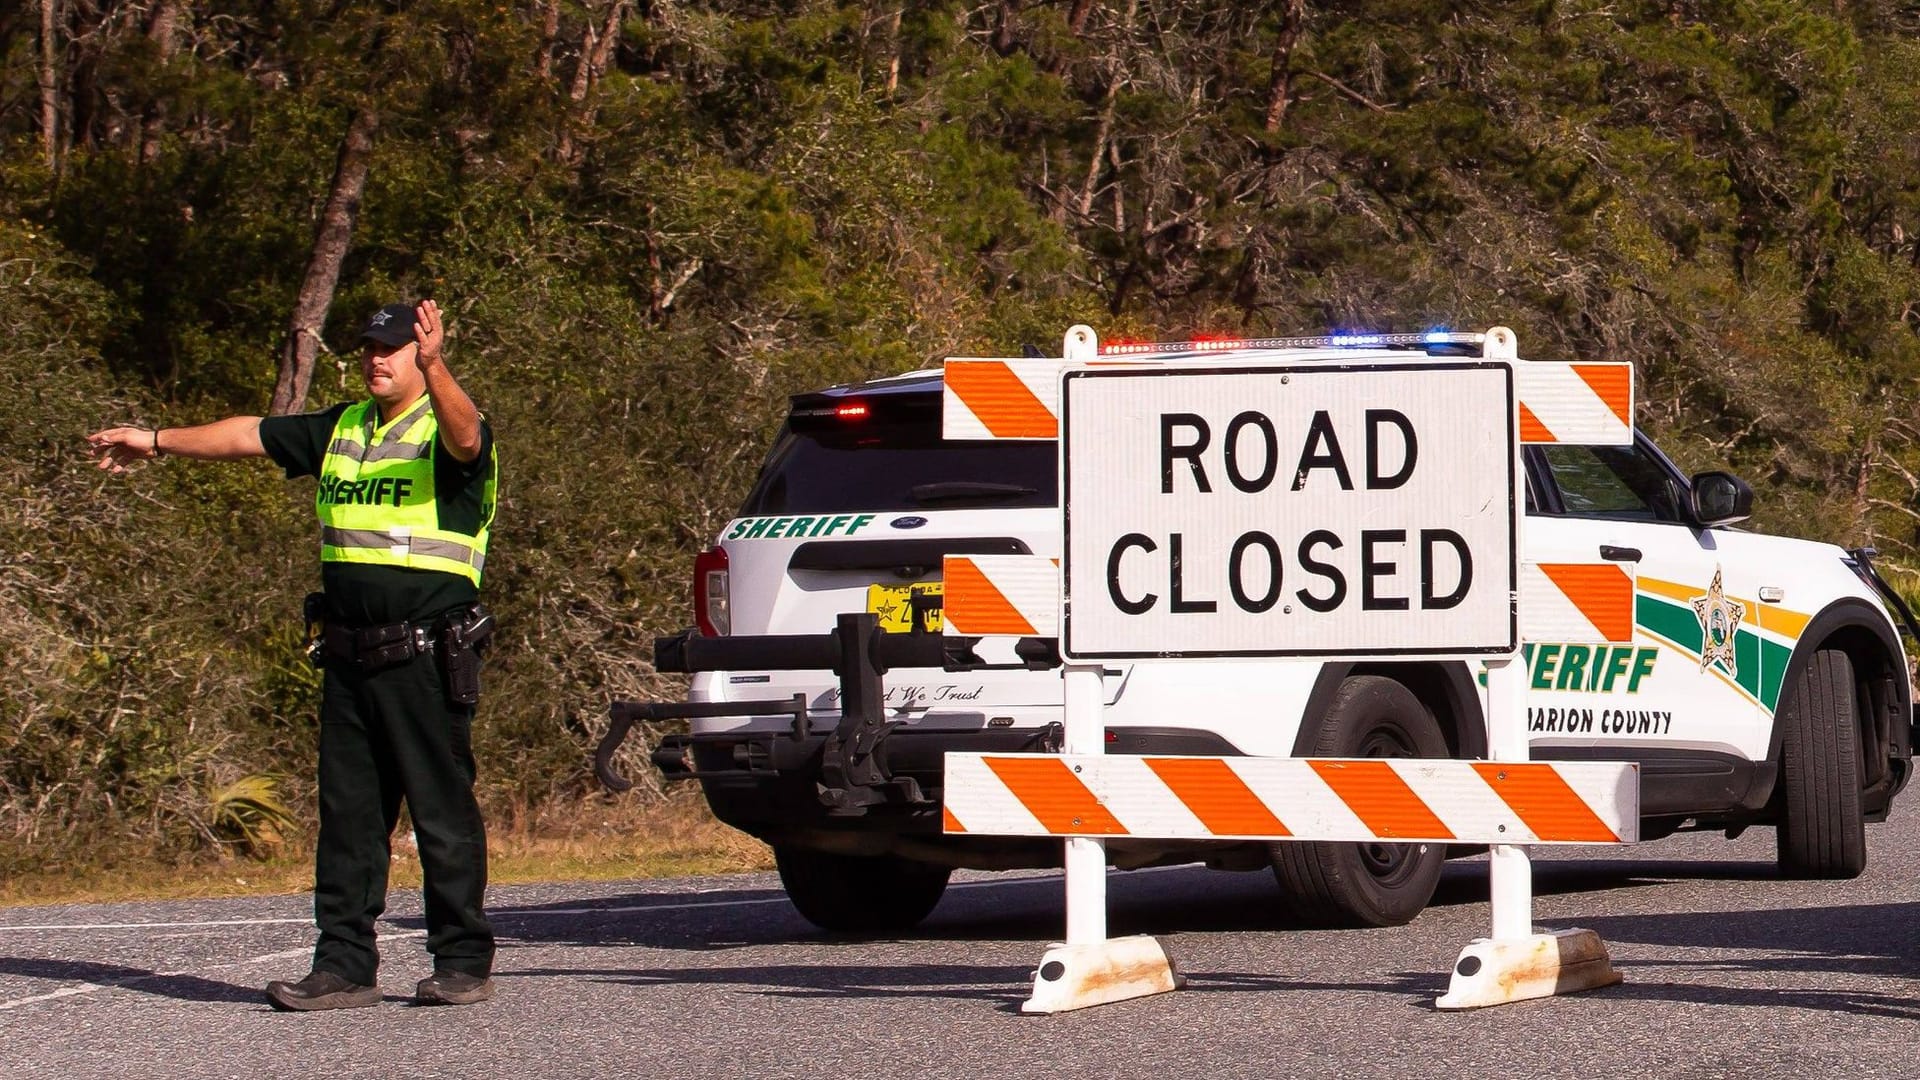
(869, 761)
(772, 785)
(767, 783)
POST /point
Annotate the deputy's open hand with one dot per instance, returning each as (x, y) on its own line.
(120, 447)
(429, 332)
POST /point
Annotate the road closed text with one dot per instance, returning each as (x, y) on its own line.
(1243, 512)
(1436, 577)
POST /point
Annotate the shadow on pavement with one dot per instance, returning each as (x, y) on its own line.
(1191, 900)
(141, 980)
(1003, 984)
(709, 920)
(1863, 1002)
(1873, 940)
(1769, 947)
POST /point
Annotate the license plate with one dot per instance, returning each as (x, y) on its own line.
(894, 605)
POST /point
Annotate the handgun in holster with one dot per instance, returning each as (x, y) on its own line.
(466, 636)
(313, 612)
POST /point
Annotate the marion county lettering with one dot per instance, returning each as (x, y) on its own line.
(1609, 721)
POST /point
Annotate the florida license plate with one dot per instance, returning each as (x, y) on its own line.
(894, 605)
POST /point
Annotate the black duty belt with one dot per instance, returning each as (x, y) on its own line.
(376, 648)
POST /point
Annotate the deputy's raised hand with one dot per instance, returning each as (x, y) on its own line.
(429, 332)
(119, 447)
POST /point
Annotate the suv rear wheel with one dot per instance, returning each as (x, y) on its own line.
(859, 894)
(1377, 884)
(1822, 832)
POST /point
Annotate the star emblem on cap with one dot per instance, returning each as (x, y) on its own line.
(380, 318)
(1719, 625)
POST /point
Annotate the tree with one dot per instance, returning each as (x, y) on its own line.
(322, 276)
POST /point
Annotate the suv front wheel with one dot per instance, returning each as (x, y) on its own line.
(1376, 884)
(859, 894)
(1822, 832)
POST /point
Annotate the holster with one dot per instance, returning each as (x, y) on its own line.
(461, 643)
(313, 612)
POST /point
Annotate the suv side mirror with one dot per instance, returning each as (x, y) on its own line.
(1720, 498)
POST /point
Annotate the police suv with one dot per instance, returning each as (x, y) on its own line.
(1765, 683)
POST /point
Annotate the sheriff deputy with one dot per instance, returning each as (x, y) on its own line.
(408, 479)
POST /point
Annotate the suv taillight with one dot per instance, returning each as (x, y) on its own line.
(710, 609)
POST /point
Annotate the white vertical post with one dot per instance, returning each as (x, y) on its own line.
(1510, 874)
(1515, 963)
(1086, 859)
(1090, 968)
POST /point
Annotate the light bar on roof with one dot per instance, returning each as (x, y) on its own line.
(1331, 341)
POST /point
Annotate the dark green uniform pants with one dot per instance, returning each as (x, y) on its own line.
(385, 736)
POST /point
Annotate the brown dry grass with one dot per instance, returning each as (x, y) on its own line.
(591, 840)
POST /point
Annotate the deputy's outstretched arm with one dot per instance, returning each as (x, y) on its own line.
(231, 439)
(453, 410)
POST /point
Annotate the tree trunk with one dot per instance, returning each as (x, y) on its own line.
(549, 33)
(661, 294)
(893, 52)
(163, 32)
(1280, 85)
(1077, 16)
(330, 244)
(49, 84)
(602, 53)
(596, 51)
(1116, 66)
(1003, 41)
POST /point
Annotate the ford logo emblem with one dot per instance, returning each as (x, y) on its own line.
(907, 522)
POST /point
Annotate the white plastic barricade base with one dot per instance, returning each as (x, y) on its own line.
(1117, 969)
(1491, 972)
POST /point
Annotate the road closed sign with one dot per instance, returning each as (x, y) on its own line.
(1310, 510)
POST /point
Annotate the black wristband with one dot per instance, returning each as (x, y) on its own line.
(157, 452)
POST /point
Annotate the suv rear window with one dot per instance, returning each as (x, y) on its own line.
(873, 463)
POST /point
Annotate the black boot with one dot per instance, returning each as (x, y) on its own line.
(452, 988)
(321, 990)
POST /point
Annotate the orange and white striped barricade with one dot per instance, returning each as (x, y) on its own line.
(1583, 404)
(1089, 797)
(1000, 596)
(1356, 800)
(1085, 796)
(1589, 404)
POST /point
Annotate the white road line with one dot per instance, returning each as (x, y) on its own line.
(115, 984)
(154, 925)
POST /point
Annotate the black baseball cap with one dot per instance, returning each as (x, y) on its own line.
(391, 325)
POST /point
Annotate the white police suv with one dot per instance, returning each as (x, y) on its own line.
(1765, 683)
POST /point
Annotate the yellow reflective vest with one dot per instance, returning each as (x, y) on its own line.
(376, 498)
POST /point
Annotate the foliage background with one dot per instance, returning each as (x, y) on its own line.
(653, 220)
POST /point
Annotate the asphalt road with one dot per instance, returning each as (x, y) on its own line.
(1730, 972)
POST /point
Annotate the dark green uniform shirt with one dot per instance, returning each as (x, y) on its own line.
(359, 594)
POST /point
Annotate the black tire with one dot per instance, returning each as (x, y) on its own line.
(1356, 885)
(859, 894)
(1822, 831)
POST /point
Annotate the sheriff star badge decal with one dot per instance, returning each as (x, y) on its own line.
(1719, 621)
